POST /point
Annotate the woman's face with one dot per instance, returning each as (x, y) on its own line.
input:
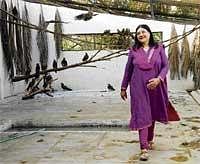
(143, 35)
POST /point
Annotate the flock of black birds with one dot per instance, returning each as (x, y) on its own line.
(48, 79)
(64, 62)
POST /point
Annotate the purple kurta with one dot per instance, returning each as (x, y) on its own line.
(146, 105)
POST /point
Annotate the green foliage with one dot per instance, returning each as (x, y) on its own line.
(121, 40)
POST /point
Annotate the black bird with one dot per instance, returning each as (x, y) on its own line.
(15, 13)
(110, 87)
(37, 70)
(47, 80)
(31, 84)
(14, 10)
(106, 32)
(55, 65)
(85, 57)
(85, 16)
(45, 84)
(64, 62)
(64, 87)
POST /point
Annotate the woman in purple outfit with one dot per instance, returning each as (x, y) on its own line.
(145, 72)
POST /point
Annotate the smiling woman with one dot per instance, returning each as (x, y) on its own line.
(146, 71)
(143, 37)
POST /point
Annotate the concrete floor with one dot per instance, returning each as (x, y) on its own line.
(69, 142)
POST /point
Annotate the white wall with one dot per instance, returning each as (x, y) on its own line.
(85, 78)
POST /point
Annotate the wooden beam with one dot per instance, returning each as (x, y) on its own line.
(134, 12)
(85, 2)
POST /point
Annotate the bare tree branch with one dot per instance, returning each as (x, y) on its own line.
(106, 57)
(93, 56)
(25, 97)
(183, 35)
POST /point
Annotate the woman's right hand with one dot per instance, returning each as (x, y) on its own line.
(123, 94)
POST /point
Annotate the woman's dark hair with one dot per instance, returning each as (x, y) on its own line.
(137, 44)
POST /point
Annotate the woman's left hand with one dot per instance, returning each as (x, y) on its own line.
(153, 83)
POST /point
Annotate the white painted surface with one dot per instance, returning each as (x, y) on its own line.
(86, 78)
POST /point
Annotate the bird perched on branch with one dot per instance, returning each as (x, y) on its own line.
(64, 87)
(30, 85)
(85, 57)
(110, 87)
(15, 13)
(49, 77)
(47, 80)
(106, 32)
(55, 65)
(85, 16)
(64, 62)
(37, 70)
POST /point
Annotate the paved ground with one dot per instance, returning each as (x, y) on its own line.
(69, 142)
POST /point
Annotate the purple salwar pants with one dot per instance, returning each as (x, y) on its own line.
(146, 135)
